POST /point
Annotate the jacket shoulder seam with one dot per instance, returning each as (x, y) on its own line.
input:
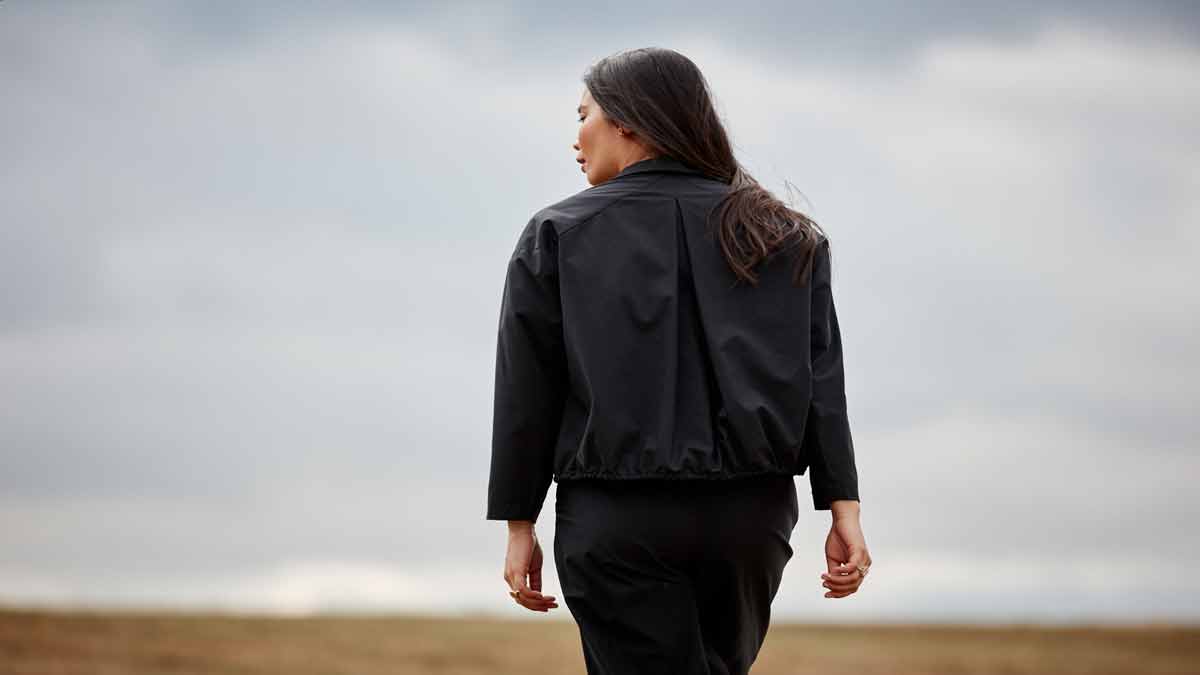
(605, 208)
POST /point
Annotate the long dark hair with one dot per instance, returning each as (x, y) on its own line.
(663, 97)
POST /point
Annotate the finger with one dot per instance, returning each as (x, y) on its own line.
(537, 608)
(535, 605)
(839, 583)
(851, 566)
(837, 567)
(528, 593)
(859, 562)
(535, 580)
(535, 596)
(842, 583)
(841, 573)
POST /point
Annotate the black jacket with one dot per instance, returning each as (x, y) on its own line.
(625, 351)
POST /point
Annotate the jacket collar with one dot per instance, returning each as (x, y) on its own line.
(660, 163)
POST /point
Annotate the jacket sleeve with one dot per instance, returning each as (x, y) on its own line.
(530, 379)
(832, 472)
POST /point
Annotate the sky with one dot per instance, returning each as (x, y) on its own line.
(251, 258)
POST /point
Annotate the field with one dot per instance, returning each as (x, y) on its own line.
(45, 642)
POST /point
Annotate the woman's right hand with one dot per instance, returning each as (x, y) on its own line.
(523, 561)
(845, 551)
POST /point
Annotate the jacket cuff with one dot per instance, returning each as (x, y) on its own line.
(822, 503)
(513, 511)
(825, 493)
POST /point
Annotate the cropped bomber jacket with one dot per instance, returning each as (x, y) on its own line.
(625, 350)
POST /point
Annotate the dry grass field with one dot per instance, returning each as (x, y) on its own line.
(47, 642)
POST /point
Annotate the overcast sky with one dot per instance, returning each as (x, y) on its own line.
(251, 258)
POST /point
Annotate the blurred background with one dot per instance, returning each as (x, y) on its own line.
(251, 258)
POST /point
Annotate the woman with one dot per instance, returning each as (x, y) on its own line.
(668, 353)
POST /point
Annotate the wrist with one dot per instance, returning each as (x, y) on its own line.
(520, 526)
(844, 508)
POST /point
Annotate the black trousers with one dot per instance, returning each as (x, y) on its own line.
(673, 577)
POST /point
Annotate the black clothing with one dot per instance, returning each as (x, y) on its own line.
(625, 351)
(675, 576)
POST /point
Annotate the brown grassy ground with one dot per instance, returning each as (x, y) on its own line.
(103, 643)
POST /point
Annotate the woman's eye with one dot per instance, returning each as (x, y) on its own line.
(580, 119)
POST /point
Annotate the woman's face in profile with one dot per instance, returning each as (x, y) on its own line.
(598, 146)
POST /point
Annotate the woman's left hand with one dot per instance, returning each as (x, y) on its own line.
(524, 561)
(846, 553)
